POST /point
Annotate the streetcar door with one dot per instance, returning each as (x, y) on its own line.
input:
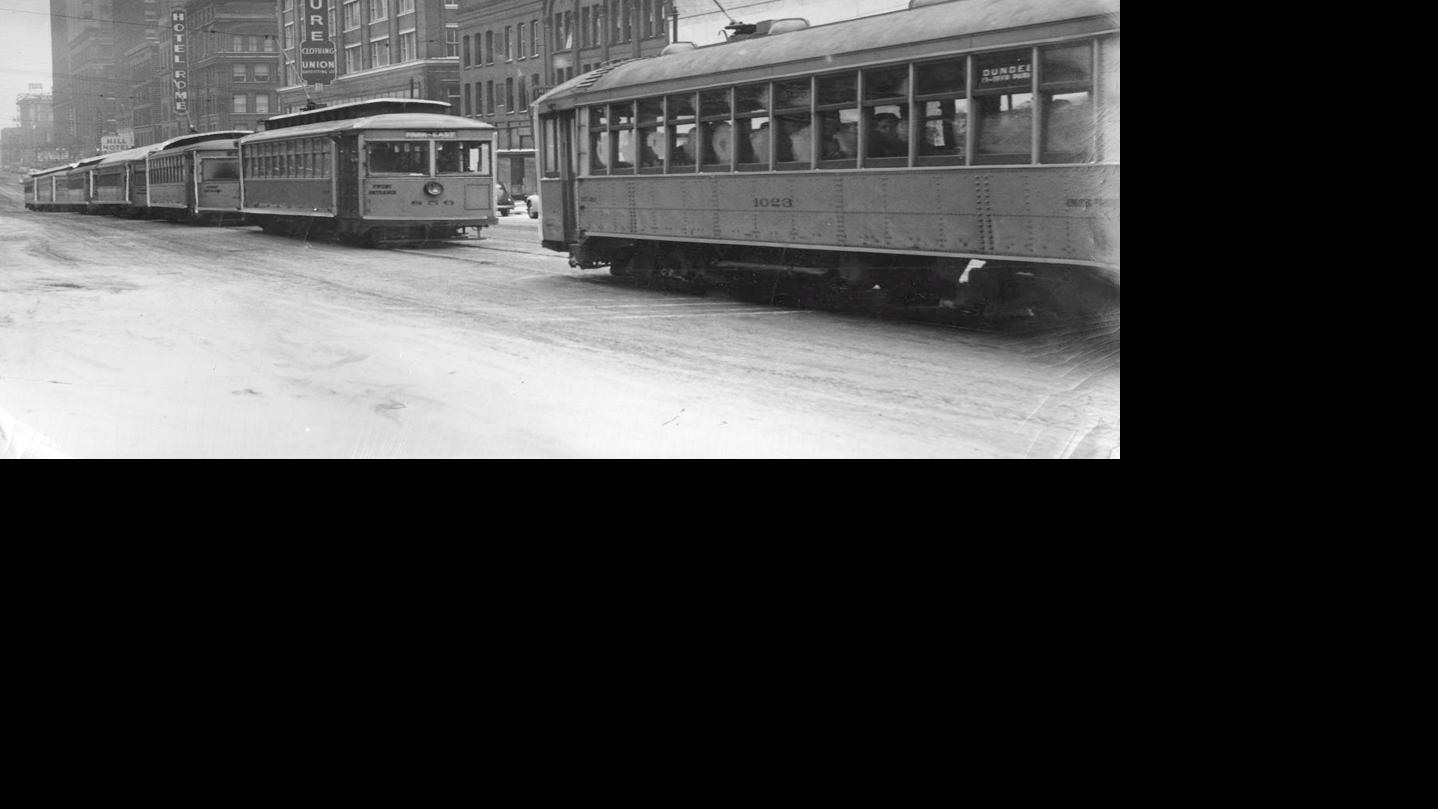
(347, 177)
(559, 215)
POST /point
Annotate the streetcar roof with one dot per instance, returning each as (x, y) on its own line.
(970, 25)
(226, 141)
(408, 121)
(356, 109)
(173, 143)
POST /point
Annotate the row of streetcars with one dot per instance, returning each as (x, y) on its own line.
(960, 154)
(372, 172)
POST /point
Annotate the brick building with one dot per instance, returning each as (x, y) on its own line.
(383, 48)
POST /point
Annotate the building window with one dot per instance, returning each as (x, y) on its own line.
(478, 101)
(354, 58)
(378, 10)
(519, 43)
(405, 7)
(262, 103)
(262, 72)
(239, 74)
(407, 51)
(523, 96)
(466, 61)
(378, 53)
(508, 39)
(352, 15)
(489, 97)
(451, 40)
(240, 103)
(489, 47)
(509, 94)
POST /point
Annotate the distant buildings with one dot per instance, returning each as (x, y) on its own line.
(132, 72)
(32, 143)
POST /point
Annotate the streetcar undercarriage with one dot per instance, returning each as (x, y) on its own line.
(997, 291)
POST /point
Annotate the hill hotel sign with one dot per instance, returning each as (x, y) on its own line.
(318, 55)
(181, 76)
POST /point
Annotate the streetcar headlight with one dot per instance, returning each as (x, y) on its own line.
(433, 189)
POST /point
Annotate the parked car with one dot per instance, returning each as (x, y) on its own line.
(533, 206)
(506, 202)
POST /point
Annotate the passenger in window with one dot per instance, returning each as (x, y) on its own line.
(651, 153)
(844, 143)
(721, 142)
(758, 149)
(888, 136)
(683, 154)
(796, 141)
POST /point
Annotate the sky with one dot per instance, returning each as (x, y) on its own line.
(24, 51)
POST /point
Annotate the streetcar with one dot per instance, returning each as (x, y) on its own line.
(960, 155)
(118, 182)
(70, 186)
(387, 171)
(195, 179)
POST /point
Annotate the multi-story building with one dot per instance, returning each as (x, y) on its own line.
(512, 51)
(32, 143)
(383, 48)
(234, 63)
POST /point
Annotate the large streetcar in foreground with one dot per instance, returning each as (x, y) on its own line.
(374, 172)
(958, 154)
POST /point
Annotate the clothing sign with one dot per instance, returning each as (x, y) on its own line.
(318, 55)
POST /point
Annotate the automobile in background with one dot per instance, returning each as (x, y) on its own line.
(506, 202)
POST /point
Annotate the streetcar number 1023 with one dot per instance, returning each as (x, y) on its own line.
(773, 202)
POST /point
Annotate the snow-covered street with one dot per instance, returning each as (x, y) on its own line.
(138, 339)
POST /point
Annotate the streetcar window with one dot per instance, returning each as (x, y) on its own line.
(679, 135)
(681, 138)
(751, 99)
(887, 83)
(751, 126)
(1004, 107)
(838, 90)
(1108, 98)
(1067, 63)
(1068, 131)
(944, 130)
(717, 149)
(886, 116)
(792, 95)
(551, 146)
(887, 126)
(794, 144)
(599, 152)
(838, 120)
(651, 135)
(621, 122)
(1005, 128)
(222, 170)
(651, 149)
(461, 157)
(398, 157)
(1068, 127)
(753, 143)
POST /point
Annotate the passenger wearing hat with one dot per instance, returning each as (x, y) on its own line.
(888, 137)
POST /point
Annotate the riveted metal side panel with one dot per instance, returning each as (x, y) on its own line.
(1051, 213)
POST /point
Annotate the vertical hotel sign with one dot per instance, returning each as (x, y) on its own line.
(319, 59)
(181, 77)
